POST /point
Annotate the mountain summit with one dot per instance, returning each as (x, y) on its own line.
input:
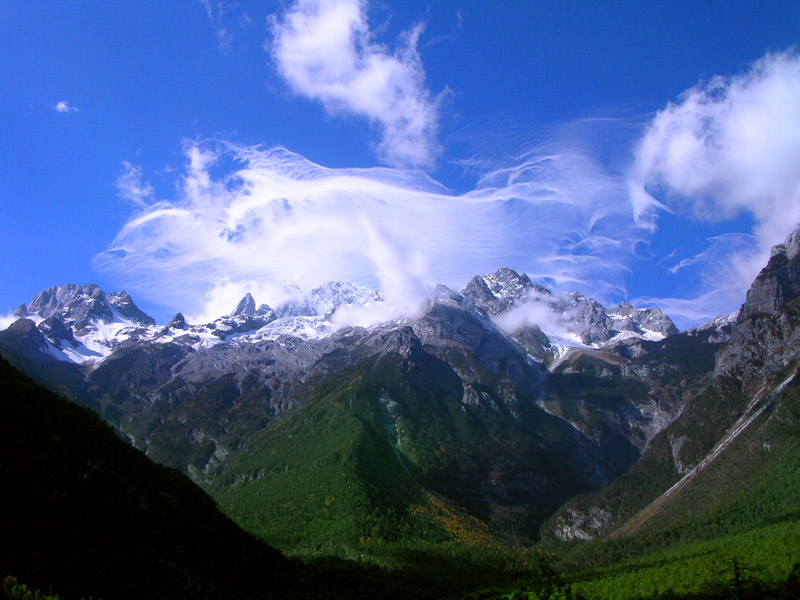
(83, 306)
(82, 323)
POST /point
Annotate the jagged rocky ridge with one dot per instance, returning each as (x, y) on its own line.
(86, 325)
(581, 397)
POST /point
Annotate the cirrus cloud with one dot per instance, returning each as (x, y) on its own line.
(258, 220)
(131, 186)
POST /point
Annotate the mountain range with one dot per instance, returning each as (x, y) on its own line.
(190, 396)
(499, 415)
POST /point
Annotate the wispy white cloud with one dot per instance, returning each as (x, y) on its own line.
(713, 261)
(326, 51)
(131, 186)
(216, 15)
(253, 219)
(719, 275)
(275, 218)
(729, 146)
(64, 107)
(448, 37)
(697, 310)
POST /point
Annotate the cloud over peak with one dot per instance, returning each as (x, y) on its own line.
(326, 51)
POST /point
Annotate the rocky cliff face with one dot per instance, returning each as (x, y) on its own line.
(777, 283)
(764, 341)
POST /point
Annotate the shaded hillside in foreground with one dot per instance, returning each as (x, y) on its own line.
(86, 514)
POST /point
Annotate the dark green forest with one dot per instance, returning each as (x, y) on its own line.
(87, 516)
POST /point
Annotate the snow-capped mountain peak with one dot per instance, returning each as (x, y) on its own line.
(519, 306)
(87, 325)
(81, 305)
(334, 294)
(304, 316)
(508, 285)
(718, 329)
(650, 319)
(84, 323)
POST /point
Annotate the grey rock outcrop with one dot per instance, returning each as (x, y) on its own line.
(777, 283)
(178, 322)
(766, 336)
(55, 329)
(573, 525)
(126, 307)
(497, 292)
(650, 319)
(27, 340)
(246, 306)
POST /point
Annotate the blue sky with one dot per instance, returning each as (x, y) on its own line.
(191, 151)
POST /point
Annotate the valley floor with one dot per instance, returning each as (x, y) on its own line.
(761, 563)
